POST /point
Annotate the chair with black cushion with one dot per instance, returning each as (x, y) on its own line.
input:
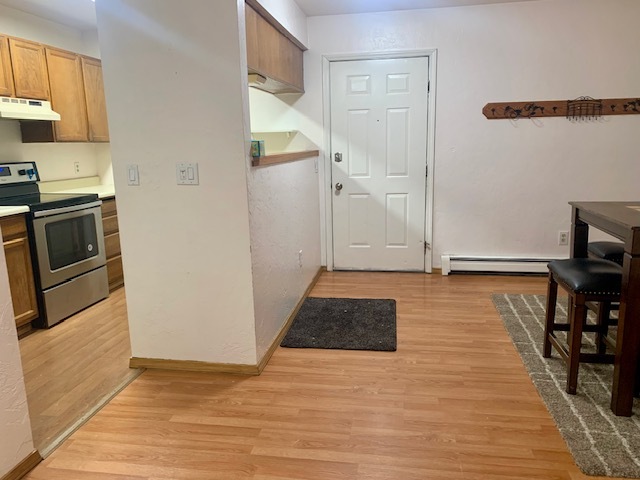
(613, 251)
(584, 280)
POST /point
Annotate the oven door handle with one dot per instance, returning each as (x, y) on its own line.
(73, 208)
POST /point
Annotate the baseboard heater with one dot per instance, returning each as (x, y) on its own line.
(467, 264)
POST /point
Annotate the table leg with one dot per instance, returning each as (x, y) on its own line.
(628, 340)
(579, 235)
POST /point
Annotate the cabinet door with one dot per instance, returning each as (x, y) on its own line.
(6, 72)
(251, 26)
(114, 273)
(112, 244)
(96, 104)
(67, 96)
(23, 293)
(29, 69)
(269, 49)
(18, 258)
(290, 68)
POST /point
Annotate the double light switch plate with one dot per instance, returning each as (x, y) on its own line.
(187, 173)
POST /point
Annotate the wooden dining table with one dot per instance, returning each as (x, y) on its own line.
(621, 220)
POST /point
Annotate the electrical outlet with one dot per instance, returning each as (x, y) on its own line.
(563, 238)
(76, 167)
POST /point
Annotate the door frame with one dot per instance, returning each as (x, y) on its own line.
(431, 55)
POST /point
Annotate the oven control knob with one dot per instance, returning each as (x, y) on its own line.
(90, 247)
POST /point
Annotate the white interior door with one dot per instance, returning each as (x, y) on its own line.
(379, 161)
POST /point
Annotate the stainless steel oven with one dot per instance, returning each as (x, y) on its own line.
(67, 243)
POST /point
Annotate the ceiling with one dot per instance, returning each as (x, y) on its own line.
(81, 14)
(337, 7)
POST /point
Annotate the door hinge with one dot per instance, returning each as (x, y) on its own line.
(426, 171)
(428, 86)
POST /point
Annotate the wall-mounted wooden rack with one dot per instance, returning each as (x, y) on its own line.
(580, 108)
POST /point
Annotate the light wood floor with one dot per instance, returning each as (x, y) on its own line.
(69, 368)
(454, 402)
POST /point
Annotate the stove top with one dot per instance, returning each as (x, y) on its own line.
(48, 201)
(18, 186)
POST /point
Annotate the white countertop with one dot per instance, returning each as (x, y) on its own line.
(103, 191)
(7, 211)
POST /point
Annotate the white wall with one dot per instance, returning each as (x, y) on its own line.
(186, 251)
(283, 204)
(31, 27)
(91, 43)
(55, 161)
(285, 219)
(502, 188)
(15, 441)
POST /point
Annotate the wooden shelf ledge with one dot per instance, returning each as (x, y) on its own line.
(283, 158)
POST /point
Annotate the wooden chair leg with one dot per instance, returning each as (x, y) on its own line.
(576, 323)
(550, 317)
(604, 311)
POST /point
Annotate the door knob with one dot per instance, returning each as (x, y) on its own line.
(338, 186)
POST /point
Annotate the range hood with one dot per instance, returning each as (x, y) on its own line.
(26, 109)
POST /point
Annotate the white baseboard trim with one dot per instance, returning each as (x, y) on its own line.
(481, 264)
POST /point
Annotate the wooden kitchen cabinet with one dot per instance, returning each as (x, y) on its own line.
(272, 53)
(112, 244)
(67, 96)
(29, 69)
(95, 100)
(6, 71)
(21, 281)
(77, 94)
(72, 82)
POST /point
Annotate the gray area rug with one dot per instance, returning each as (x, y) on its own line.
(344, 323)
(600, 442)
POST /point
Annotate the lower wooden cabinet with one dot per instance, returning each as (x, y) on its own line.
(19, 267)
(112, 244)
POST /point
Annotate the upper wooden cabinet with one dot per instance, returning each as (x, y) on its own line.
(29, 69)
(71, 82)
(77, 94)
(273, 54)
(6, 72)
(67, 96)
(96, 104)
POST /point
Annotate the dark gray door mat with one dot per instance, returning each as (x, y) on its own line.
(344, 323)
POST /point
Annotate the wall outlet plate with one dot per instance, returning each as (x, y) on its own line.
(563, 238)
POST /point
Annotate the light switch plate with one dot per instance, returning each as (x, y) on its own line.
(133, 177)
(187, 174)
